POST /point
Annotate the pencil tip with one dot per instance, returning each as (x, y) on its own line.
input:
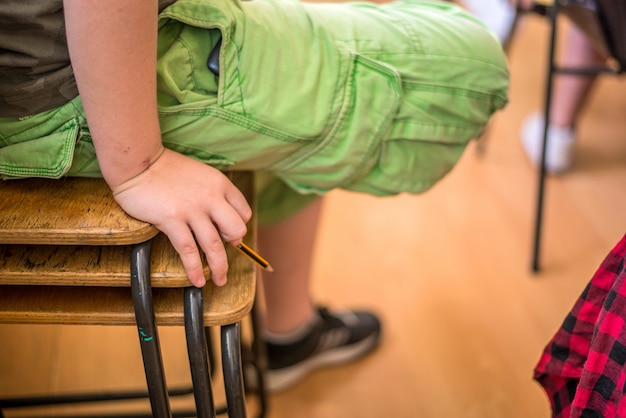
(270, 269)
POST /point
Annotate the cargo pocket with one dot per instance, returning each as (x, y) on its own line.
(48, 156)
(371, 97)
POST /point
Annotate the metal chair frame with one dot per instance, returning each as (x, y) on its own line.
(200, 351)
(552, 12)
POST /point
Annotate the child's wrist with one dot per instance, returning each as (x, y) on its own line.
(130, 182)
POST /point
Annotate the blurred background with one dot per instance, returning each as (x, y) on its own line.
(465, 319)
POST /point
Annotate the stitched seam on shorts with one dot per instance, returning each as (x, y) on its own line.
(56, 171)
(469, 58)
(185, 18)
(466, 129)
(238, 120)
(189, 61)
(330, 136)
(236, 79)
(411, 34)
(84, 139)
(30, 128)
(376, 137)
(451, 90)
(337, 101)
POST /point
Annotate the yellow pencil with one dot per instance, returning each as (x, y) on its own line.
(254, 256)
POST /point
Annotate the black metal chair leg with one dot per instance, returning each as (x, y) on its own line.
(553, 70)
(553, 14)
(232, 367)
(146, 326)
(211, 349)
(198, 352)
(259, 360)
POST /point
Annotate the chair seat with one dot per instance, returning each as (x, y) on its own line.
(67, 211)
(76, 265)
(86, 280)
(71, 255)
(612, 14)
(603, 22)
(73, 305)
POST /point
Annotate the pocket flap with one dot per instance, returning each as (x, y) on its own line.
(49, 156)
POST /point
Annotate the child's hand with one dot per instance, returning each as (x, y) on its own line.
(194, 205)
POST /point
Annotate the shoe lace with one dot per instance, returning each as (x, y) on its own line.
(335, 331)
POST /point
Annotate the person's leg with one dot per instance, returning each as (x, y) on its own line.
(288, 245)
(299, 335)
(569, 97)
(571, 91)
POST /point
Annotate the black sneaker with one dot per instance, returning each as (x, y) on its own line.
(336, 338)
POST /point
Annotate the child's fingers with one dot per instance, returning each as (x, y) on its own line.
(229, 223)
(212, 245)
(238, 201)
(185, 245)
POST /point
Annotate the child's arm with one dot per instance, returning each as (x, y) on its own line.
(113, 50)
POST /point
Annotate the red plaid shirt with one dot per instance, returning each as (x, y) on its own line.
(582, 369)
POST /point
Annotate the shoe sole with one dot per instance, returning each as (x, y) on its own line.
(278, 380)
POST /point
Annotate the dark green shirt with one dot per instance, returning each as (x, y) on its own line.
(35, 70)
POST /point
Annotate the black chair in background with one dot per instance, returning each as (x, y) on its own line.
(603, 21)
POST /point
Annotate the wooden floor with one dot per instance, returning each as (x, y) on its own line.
(449, 272)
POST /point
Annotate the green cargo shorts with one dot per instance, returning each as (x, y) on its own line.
(380, 99)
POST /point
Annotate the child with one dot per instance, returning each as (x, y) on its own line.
(375, 99)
